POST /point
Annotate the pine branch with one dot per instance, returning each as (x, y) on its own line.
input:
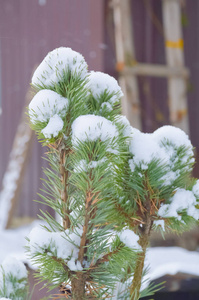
(90, 200)
(64, 180)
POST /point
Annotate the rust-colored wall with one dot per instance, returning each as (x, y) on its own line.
(28, 31)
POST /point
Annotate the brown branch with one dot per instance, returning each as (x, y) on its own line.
(64, 193)
(88, 202)
(59, 260)
(105, 258)
(131, 220)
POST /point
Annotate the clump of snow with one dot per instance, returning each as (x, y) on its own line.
(130, 239)
(128, 130)
(15, 267)
(195, 189)
(160, 223)
(144, 149)
(52, 68)
(64, 245)
(92, 128)
(12, 268)
(162, 145)
(45, 104)
(84, 166)
(173, 134)
(55, 125)
(99, 83)
(182, 200)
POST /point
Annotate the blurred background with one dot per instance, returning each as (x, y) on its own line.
(150, 46)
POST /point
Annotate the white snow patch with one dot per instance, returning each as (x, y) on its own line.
(15, 268)
(128, 130)
(52, 68)
(195, 189)
(84, 166)
(161, 145)
(173, 134)
(92, 128)
(13, 242)
(55, 125)
(182, 200)
(107, 106)
(100, 82)
(130, 239)
(45, 104)
(11, 177)
(144, 149)
(64, 245)
(171, 260)
(160, 223)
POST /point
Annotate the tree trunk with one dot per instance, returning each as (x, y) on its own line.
(143, 241)
(137, 277)
(78, 286)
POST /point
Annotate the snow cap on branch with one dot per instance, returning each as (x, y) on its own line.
(182, 200)
(127, 129)
(48, 106)
(64, 245)
(13, 276)
(100, 82)
(15, 267)
(52, 68)
(195, 189)
(45, 104)
(162, 144)
(130, 239)
(92, 128)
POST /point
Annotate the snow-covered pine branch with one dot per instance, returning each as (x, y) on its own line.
(110, 183)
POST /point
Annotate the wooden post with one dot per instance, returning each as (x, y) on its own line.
(125, 56)
(175, 58)
(13, 176)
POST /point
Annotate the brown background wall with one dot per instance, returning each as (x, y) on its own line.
(28, 31)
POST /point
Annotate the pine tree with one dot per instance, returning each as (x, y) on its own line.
(13, 280)
(110, 184)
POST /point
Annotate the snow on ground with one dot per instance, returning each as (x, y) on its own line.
(170, 261)
(161, 260)
(13, 242)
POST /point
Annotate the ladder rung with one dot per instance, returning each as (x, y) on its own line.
(155, 70)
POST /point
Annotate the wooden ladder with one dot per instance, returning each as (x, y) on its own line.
(129, 69)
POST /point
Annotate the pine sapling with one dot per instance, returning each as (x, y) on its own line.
(13, 280)
(73, 112)
(110, 184)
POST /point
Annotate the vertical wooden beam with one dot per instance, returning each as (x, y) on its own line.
(125, 56)
(13, 177)
(175, 58)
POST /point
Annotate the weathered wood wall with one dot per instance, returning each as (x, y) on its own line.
(28, 31)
